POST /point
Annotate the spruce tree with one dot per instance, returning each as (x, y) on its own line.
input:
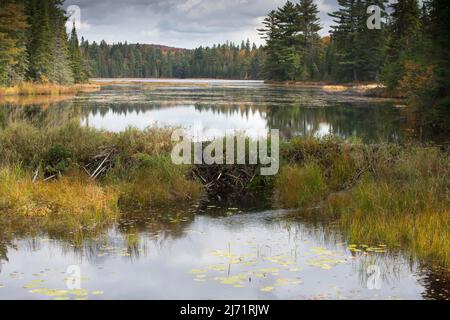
(403, 44)
(76, 60)
(13, 58)
(310, 44)
(61, 68)
(40, 48)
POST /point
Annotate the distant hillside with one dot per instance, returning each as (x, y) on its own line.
(227, 61)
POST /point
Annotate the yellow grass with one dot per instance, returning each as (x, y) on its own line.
(400, 199)
(33, 89)
(70, 204)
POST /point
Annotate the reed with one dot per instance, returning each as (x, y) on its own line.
(50, 89)
(398, 196)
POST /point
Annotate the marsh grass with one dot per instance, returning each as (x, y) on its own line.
(71, 202)
(139, 173)
(156, 181)
(378, 194)
(36, 89)
(398, 196)
(293, 194)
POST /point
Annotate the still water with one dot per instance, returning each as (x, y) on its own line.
(210, 252)
(209, 108)
(216, 254)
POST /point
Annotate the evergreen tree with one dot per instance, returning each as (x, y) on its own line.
(404, 44)
(76, 60)
(293, 46)
(310, 43)
(13, 58)
(40, 48)
(135, 60)
(61, 69)
(439, 109)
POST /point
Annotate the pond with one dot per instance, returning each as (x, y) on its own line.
(210, 108)
(213, 251)
(218, 253)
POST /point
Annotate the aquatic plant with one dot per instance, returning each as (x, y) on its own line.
(71, 202)
(35, 89)
(387, 194)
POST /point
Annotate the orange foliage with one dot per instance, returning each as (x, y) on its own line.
(416, 81)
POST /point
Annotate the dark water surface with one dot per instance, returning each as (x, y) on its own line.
(246, 106)
(226, 255)
(215, 253)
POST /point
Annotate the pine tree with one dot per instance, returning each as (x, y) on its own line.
(61, 69)
(76, 60)
(309, 40)
(404, 44)
(13, 58)
(439, 110)
(40, 48)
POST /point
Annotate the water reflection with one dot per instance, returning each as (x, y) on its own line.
(250, 108)
(220, 254)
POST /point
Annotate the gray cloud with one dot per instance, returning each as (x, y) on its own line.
(180, 23)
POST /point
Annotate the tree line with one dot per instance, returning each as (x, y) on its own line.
(409, 54)
(228, 61)
(35, 46)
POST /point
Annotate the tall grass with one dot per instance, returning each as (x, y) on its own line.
(398, 196)
(299, 186)
(139, 170)
(35, 89)
(156, 181)
(70, 202)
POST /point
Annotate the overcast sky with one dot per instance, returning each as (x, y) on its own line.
(179, 23)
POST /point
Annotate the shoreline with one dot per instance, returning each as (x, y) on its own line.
(27, 89)
(397, 190)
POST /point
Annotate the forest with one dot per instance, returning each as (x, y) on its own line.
(227, 61)
(35, 46)
(409, 55)
(359, 208)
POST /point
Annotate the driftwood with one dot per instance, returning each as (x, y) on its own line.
(99, 164)
(36, 173)
(50, 178)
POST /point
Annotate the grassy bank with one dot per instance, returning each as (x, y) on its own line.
(69, 203)
(48, 89)
(76, 174)
(378, 194)
(392, 195)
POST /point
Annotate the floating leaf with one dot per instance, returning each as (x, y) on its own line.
(267, 289)
(97, 293)
(49, 292)
(79, 292)
(198, 271)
